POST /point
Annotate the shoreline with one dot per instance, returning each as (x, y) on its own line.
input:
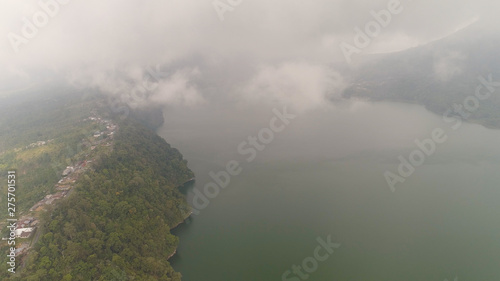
(173, 254)
(181, 222)
(435, 112)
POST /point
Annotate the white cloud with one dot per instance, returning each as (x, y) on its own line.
(301, 85)
(178, 89)
(139, 86)
(114, 37)
(448, 66)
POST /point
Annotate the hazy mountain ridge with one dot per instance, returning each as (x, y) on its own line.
(436, 75)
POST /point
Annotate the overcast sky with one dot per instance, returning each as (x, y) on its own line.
(259, 49)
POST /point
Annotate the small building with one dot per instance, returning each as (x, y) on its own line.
(36, 206)
(63, 187)
(58, 195)
(68, 170)
(50, 201)
(21, 249)
(24, 232)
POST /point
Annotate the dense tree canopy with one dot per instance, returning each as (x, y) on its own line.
(116, 224)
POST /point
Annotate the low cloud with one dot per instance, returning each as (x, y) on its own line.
(178, 89)
(449, 65)
(139, 86)
(302, 85)
(120, 39)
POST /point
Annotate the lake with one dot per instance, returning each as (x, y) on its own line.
(322, 177)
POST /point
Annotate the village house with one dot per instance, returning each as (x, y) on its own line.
(22, 249)
(24, 232)
(68, 170)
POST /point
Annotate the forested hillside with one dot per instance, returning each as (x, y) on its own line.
(115, 222)
(41, 133)
(437, 75)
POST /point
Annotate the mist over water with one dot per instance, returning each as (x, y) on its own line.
(323, 175)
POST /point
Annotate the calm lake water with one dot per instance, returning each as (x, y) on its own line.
(323, 175)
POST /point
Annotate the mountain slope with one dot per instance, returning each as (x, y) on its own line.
(437, 75)
(115, 224)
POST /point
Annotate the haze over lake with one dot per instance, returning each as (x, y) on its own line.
(323, 175)
(314, 140)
